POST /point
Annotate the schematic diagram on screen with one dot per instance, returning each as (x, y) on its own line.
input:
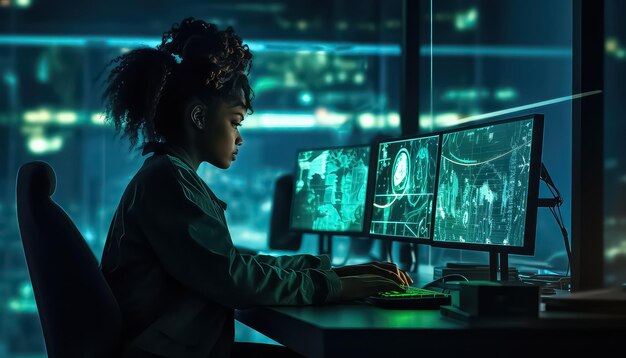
(483, 185)
(404, 188)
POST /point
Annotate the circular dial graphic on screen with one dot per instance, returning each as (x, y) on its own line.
(401, 171)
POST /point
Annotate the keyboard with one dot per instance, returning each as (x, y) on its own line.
(413, 298)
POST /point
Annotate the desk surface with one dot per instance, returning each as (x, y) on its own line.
(358, 329)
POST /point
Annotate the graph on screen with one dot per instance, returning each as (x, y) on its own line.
(404, 188)
(483, 185)
(330, 189)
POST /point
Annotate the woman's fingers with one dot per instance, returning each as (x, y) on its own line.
(361, 286)
(393, 268)
(408, 278)
(381, 283)
(400, 280)
(385, 269)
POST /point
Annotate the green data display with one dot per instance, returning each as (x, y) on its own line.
(483, 185)
(404, 188)
(330, 189)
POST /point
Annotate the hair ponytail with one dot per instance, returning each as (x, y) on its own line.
(134, 89)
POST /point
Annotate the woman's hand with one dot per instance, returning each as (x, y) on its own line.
(361, 286)
(387, 270)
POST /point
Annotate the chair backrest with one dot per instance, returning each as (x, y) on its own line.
(78, 312)
(279, 236)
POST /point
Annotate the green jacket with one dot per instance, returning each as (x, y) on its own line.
(176, 274)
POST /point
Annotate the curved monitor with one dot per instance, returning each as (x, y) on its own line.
(404, 189)
(486, 195)
(330, 187)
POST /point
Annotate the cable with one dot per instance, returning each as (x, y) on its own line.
(559, 220)
(568, 249)
(443, 280)
(556, 209)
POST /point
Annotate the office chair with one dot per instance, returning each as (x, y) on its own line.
(78, 312)
(280, 237)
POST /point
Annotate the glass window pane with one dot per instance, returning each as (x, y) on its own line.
(493, 60)
(324, 75)
(614, 149)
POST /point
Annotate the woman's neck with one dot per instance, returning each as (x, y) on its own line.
(188, 155)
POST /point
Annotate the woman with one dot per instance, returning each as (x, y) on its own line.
(169, 257)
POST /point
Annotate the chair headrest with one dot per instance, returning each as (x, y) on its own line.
(38, 177)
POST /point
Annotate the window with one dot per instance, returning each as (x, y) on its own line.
(503, 59)
(615, 158)
(323, 73)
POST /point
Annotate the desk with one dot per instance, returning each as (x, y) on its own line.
(362, 330)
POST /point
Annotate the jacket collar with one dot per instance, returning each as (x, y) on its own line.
(161, 148)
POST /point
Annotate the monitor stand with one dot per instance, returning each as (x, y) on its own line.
(385, 251)
(325, 245)
(494, 264)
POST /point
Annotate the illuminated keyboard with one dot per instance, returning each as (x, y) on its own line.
(412, 298)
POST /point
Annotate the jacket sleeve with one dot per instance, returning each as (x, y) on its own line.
(296, 262)
(194, 247)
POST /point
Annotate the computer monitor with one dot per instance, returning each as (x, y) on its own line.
(488, 185)
(330, 190)
(404, 189)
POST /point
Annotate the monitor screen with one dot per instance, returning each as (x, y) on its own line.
(404, 188)
(488, 186)
(330, 190)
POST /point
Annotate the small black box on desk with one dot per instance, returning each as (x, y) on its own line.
(470, 271)
(494, 299)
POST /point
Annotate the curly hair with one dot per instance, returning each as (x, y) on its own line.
(147, 89)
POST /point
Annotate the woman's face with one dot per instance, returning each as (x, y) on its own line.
(222, 137)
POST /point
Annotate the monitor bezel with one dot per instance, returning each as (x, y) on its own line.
(530, 228)
(372, 183)
(293, 193)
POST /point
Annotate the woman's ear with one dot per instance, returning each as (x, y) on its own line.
(198, 115)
